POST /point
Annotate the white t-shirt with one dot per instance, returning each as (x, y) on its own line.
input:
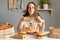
(27, 22)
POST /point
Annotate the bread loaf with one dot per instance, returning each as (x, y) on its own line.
(54, 32)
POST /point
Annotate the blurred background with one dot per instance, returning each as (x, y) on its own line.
(14, 16)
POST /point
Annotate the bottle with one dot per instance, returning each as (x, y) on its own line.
(32, 28)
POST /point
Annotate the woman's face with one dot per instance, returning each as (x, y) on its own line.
(31, 9)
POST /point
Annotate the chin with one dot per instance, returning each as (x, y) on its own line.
(31, 14)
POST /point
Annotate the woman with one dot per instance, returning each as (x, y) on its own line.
(31, 17)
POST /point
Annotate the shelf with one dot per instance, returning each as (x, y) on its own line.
(50, 10)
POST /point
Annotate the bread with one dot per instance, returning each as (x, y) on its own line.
(40, 35)
(4, 26)
(18, 36)
(54, 32)
(22, 32)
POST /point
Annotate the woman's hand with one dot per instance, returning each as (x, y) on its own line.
(25, 29)
(31, 28)
(41, 23)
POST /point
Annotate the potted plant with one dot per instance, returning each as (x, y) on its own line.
(45, 3)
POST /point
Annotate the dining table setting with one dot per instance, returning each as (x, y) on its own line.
(15, 36)
(7, 32)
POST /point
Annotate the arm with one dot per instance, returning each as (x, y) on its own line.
(20, 24)
(41, 24)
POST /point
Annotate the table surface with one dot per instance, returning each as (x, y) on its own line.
(30, 37)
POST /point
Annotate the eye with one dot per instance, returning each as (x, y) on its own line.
(29, 7)
(33, 7)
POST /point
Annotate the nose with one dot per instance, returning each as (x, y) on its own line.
(31, 8)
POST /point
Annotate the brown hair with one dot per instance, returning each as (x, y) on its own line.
(35, 13)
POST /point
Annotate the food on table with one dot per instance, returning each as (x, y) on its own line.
(6, 30)
(20, 35)
(22, 32)
(54, 32)
(31, 28)
(5, 26)
(40, 34)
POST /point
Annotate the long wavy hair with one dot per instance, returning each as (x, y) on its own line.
(35, 12)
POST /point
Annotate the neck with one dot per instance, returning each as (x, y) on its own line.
(31, 16)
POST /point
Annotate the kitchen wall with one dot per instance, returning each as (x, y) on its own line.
(14, 16)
